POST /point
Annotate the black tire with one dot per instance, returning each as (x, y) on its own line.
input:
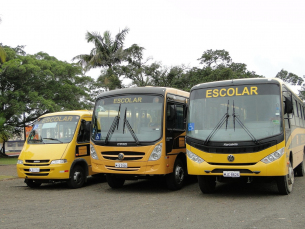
(77, 178)
(176, 179)
(300, 169)
(285, 183)
(207, 184)
(114, 181)
(32, 184)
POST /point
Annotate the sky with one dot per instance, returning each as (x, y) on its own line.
(266, 35)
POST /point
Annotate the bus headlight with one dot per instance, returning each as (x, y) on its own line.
(273, 156)
(93, 153)
(20, 162)
(61, 161)
(194, 157)
(156, 153)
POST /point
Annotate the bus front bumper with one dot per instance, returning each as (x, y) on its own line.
(276, 168)
(50, 172)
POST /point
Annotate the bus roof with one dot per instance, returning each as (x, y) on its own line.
(144, 90)
(238, 82)
(76, 112)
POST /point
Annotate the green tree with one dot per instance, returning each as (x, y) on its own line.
(290, 78)
(218, 65)
(2, 52)
(32, 85)
(215, 58)
(107, 53)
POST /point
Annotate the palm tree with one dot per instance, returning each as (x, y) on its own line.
(106, 53)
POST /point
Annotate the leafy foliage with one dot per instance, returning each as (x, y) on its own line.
(32, 85)
(290, 78)
(107, 53)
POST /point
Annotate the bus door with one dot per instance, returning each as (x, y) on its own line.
(83, 140)
(175, 126)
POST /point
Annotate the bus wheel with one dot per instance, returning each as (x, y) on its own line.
(77, 178)
(176, 179)
(32, 183)
(300, 169)
(207, 184)
(115, 182)
(285, 183)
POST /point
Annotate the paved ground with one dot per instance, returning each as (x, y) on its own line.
(148, 204)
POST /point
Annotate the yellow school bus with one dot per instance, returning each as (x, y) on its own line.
(246, 128)
(57, 149)
(138, 133)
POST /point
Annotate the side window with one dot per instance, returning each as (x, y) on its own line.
(175, 121)
(295, 108)
(301, 115)
(84, 131)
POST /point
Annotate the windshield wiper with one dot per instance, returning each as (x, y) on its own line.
(115, 124)
(219, 125)
(55, 139)
(37, 140)
(243, 126)
(130, 128)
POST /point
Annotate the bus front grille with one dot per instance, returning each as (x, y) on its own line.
(242, 171)
(37, 174)
(128, 156)
(37, 162)
(231, 164)
(122, 169)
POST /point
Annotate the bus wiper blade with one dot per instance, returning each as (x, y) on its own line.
(243, 126)
(55, 139)
(115, 124)
(37, 140)
(218, 126)
(130, 129)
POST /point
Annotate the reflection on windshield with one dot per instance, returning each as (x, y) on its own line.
(53, 130)
(250, 117)
(141, 114)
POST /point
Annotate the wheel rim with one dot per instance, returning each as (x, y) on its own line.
(179, 174)
(290, 177)
(77, 177)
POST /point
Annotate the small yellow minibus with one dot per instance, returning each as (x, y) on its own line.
(57, 149)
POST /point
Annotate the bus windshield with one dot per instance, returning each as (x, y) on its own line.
(53, 130)
(128, 118)
(239, 113)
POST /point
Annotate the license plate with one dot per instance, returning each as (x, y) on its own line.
(231, 174)
(34, 170)
(121, 165)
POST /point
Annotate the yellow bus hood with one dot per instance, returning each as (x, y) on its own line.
(44, 151)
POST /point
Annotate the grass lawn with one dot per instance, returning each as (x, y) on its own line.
(8, 161)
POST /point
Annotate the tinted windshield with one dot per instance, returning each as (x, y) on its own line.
(256, 107)
(53, 130)
(143, 113)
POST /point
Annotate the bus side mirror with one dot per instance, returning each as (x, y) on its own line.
(288, 105)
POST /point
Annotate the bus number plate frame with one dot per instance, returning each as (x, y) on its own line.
(231, 173)
(121, 165)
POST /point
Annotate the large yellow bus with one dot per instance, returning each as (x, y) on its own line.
(247, 128)
(57, 149)
(138, 133)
